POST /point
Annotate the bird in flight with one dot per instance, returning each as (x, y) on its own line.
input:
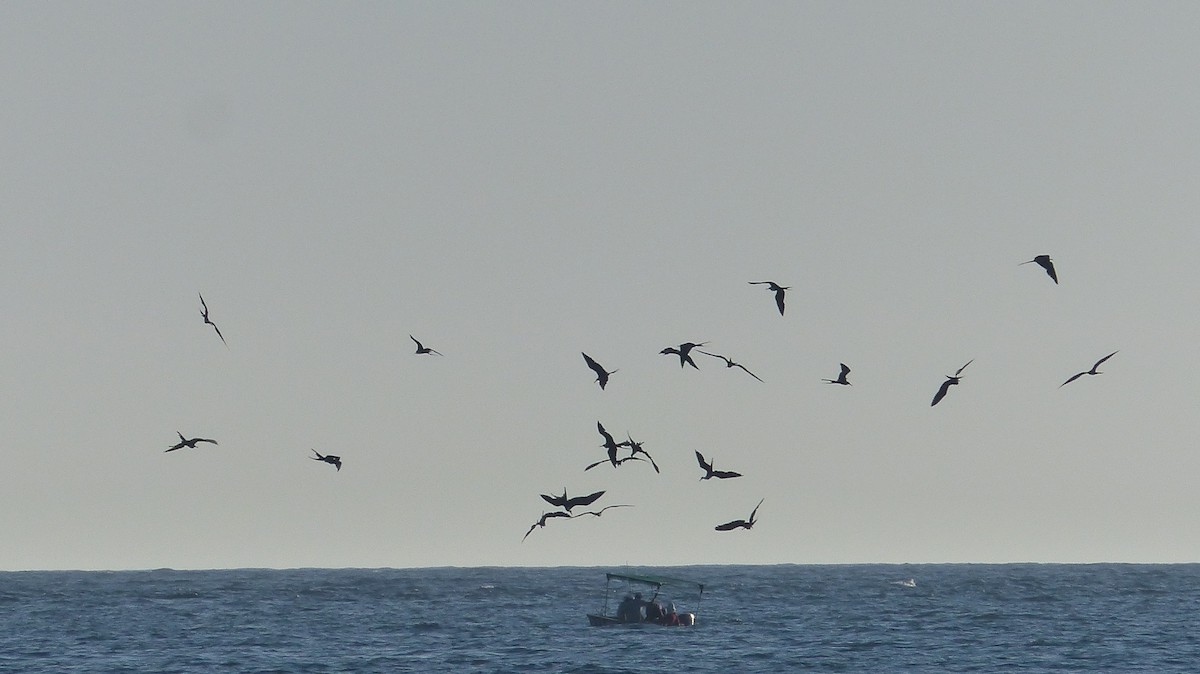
(542, 521)
(610, 445)
(207, 321)
(710, 473)
(729, 362)
(1091, 371)
(421, 348)
(841, 377)
(740, 524)
(1046, 263)
(600, 512)
(328, 458)
(635, 448)
(617, 463)
(601, 373)
(190, 444)
(684, 353)
(777, 289)
(950, 381)
(568, 503)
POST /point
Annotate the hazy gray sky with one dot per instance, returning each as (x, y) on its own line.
(515, 183)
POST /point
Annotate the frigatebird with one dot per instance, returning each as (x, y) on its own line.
(204, 314)
(328, 458)
(617, 463)
(1091, 371)
(1046, 263)
(729, 362)
(777, 289)
(601, 373)
(610, 445)
(190, 444)
(568, 503)
(950, 381)
(635, 448)
(710, 473)
(421, 348)
(542, 521)
(600, 512)
(684, 353)
(740, 524)
(841, 377)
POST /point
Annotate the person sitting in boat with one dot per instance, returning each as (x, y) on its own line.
(654, 612)
(630, 609)
(671, 617)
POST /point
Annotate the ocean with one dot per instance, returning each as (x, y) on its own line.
(789, 618)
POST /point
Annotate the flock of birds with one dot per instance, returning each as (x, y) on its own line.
(636, 451)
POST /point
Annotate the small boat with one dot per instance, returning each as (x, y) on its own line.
(634, 608)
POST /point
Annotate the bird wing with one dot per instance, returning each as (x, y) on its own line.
(729, 526)
(204, 307)
(318, 457)
(592, 364)
(204, 440)
(608, 439)
(597, 513)
(555, 500)
(687, 358)
(583, 500)
(845, 371)
(219, 333)
(1073, 378)
(175, 447)
(755, 512)
(703, 464)
(779, 300)
(593, 465)
(722, 474)
(747, 371)
(418, 342)
(1101, 361)
(941, 393)
(964, 367)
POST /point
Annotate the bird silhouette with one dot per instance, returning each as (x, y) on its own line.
(1091, 371)
(709, 473)
(841, 377)
(1046, 263)
(600, 512)
(567, 503)
(542, 521)
(684, 353)
(610, 445)
(777, 289)
(635, 448)
(950, 381)
(618, 462)
(421, 348)
(740, 524)
(729, 362)
(190, 444)
(207, 321)
(601, 373)
(328, 458)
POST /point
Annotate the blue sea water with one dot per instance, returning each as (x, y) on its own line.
(852, 618)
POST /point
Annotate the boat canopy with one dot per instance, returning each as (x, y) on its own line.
(656, 581)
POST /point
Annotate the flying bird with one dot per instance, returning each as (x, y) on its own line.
(684, 353)
(610, 445)
(777, 289)
(615, 463)
(730, 363)
(740, 524)
(1046, 263)
(1091, 371)
(328, 458)
(635, 448)
(190, 444)
(710, 473)
(950, 381)
(542, 521)
(421, 348)
(207, 321)
(601, 373)
(568, 503)
(841, 377)
(600, 512)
